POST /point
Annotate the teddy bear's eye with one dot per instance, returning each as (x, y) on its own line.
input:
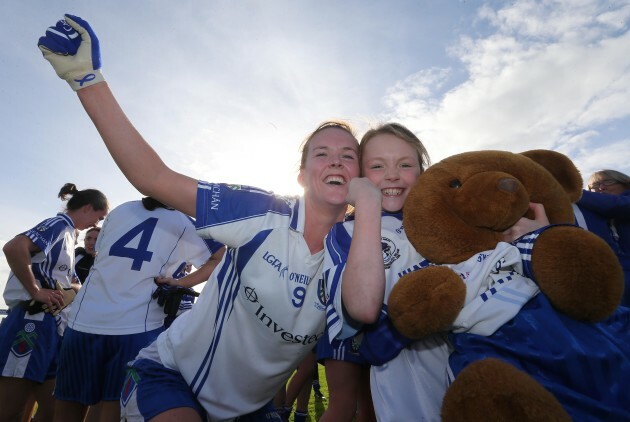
(455, 184)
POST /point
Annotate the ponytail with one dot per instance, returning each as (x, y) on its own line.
(80, 198)
(151, 204)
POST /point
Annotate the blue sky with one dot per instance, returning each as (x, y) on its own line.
(226, 90)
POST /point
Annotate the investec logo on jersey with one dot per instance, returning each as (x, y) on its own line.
(250, 294)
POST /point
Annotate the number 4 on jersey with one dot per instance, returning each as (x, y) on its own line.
(141, 253)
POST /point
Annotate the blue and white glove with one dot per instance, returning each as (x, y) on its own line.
(72, 49)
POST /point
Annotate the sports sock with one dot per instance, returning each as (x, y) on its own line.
(299, 416)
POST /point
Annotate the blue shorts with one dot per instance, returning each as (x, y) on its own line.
(346, 350)
(29, 345)
(92, 367)
(151, 388)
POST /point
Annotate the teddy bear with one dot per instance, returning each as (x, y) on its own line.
(556, 349)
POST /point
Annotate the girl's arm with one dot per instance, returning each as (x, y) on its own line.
(196, 277)
(18, 253)
(363, 287)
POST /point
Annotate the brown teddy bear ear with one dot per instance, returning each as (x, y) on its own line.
(561, 168)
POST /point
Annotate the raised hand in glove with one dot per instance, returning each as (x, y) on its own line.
(72, 48)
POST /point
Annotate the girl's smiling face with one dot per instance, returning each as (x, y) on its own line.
(392, 165)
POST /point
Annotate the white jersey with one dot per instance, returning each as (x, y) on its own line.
(55, 261)
(261, 311)
(135, 246)
(411, 386)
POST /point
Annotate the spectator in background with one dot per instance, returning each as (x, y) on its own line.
(42, 262)
(84, 256)
(604, 209)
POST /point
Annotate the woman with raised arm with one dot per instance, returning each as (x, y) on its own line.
(263, 309)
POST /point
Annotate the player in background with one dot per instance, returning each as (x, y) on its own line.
(263, 309)
(114, 314)
(84, 256)
(42, 273)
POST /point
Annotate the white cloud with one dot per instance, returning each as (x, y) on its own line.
(549, 73)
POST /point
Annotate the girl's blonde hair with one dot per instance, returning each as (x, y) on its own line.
(401, 132)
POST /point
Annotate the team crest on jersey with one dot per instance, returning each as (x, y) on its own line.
(41, 228)
(130, 385)
(321, 295)
(234, 187)
(24, 341)
(390, 252)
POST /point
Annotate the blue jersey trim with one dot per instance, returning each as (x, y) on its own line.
(228, 287)
(525, 244)
(295, 217)
(228, 278)
(46, 237)
(219, 203)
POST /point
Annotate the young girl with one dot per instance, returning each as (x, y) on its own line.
(392, 158)
(365, 257)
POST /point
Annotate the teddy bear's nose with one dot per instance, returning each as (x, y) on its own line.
(507, 184)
